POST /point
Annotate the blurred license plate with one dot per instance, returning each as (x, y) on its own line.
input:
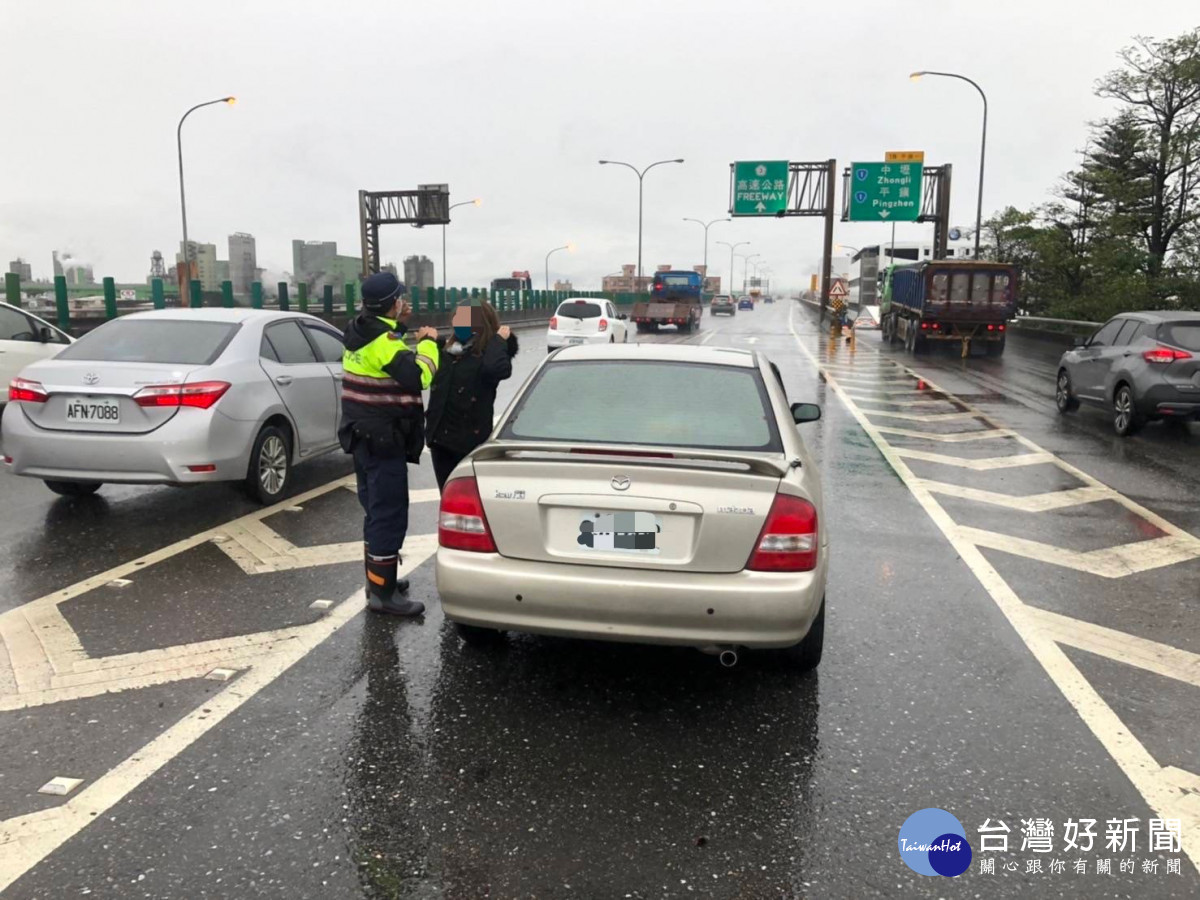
(630, 532)
(576, 340)
(89, 410)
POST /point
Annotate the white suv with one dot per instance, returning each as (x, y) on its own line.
(586, 321)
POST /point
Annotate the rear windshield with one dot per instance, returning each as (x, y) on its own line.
(153, 341)
(579, 310)
(660, 403)
(676, 280)
(1181, 334)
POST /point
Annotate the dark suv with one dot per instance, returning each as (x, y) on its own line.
(1141, 365)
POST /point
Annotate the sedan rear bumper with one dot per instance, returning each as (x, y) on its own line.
(162, 456)
(751, 609)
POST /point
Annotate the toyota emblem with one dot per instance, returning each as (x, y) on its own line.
(621, 483)
(91, 378)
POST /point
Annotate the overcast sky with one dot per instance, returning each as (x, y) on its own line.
(515, 102)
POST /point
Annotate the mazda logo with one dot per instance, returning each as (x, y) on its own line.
(91, 378)
(620, 483)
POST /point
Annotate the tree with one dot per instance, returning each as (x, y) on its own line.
(1159, 126)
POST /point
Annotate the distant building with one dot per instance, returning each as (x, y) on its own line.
(317, 263)
(21, 269)
(391, 267)
(626, 282)
(712, 284)
(77, 274)
(564, 286)
(203, 258)
(222, 271)
(158, 268)
(243, 262)
(418, 273)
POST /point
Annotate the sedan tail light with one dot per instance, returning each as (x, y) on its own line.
(25, 391)
(1164, 355)
(603, 325)
(788, 541)
(553, 323)
(462, 524)
(201, 395)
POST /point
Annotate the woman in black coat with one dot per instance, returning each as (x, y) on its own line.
(462, 397)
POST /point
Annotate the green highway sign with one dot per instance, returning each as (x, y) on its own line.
(885, 192)
(760, 188)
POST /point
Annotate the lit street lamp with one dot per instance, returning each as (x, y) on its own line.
(732, 247)
(568, 246)
(641, 176)
(706, 227)
(474, 202)
(982, 147)
(187, 250)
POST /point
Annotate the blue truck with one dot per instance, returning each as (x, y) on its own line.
(947, 300)
(676, 298)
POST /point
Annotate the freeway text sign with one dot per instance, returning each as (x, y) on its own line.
(885, 192)
(760, 188)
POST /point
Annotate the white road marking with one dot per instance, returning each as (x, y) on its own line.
(957, 437)
(28, 839)
(978, 465)
(1167, 790)
(1109, 562)
(1023, 502)
(919, 417)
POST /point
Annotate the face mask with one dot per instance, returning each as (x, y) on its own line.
(462, 332)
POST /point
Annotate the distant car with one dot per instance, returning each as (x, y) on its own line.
(25, 339)
(631, 518)
(176, 397)
(723, 304)
(586, 321)
(1140, 365)
(768, 299)
(746, 303)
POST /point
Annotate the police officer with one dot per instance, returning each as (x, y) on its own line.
(383, 427)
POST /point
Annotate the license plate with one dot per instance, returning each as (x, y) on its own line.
(626, 532)
(89, 410)
(576, 340)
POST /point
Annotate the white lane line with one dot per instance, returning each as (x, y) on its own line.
(957, 437)
(919, 417)
(708, 337)
(1161, 659)
(1107, 562)
(1159, 786)
(978, 465)
(1023, 502)
(28, 839)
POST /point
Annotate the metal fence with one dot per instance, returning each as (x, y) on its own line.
(329, 304)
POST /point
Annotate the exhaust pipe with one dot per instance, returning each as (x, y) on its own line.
(728, 658)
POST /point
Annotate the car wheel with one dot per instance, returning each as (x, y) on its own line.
(1063, 398)
(475, 636)
(806, 655)
(1125, 415)
(73, 488)
(270, 472)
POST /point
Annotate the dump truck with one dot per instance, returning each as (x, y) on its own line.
(675, 299)
(949, 300)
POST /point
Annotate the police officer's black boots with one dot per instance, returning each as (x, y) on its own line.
(382, 588)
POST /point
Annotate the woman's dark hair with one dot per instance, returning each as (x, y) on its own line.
(491, 324)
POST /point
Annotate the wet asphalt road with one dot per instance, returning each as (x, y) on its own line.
(389, 760)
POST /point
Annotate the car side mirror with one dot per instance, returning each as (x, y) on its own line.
(45, 335)
(805, 412)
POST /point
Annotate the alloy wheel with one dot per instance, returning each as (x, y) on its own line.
(272, 465)
(1123, 404)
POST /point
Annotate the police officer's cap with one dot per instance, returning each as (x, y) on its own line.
(379, 292)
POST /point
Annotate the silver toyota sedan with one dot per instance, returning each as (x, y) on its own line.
(651, 493)
(177, 397)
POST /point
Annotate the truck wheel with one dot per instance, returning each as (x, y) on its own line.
(995, 348)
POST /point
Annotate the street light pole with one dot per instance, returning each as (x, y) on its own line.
(732, 247)
(641, 177)
(746, 267)
(548, 255)
(982, 147)
(474, 202)
(706, 227)
(187, 250)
